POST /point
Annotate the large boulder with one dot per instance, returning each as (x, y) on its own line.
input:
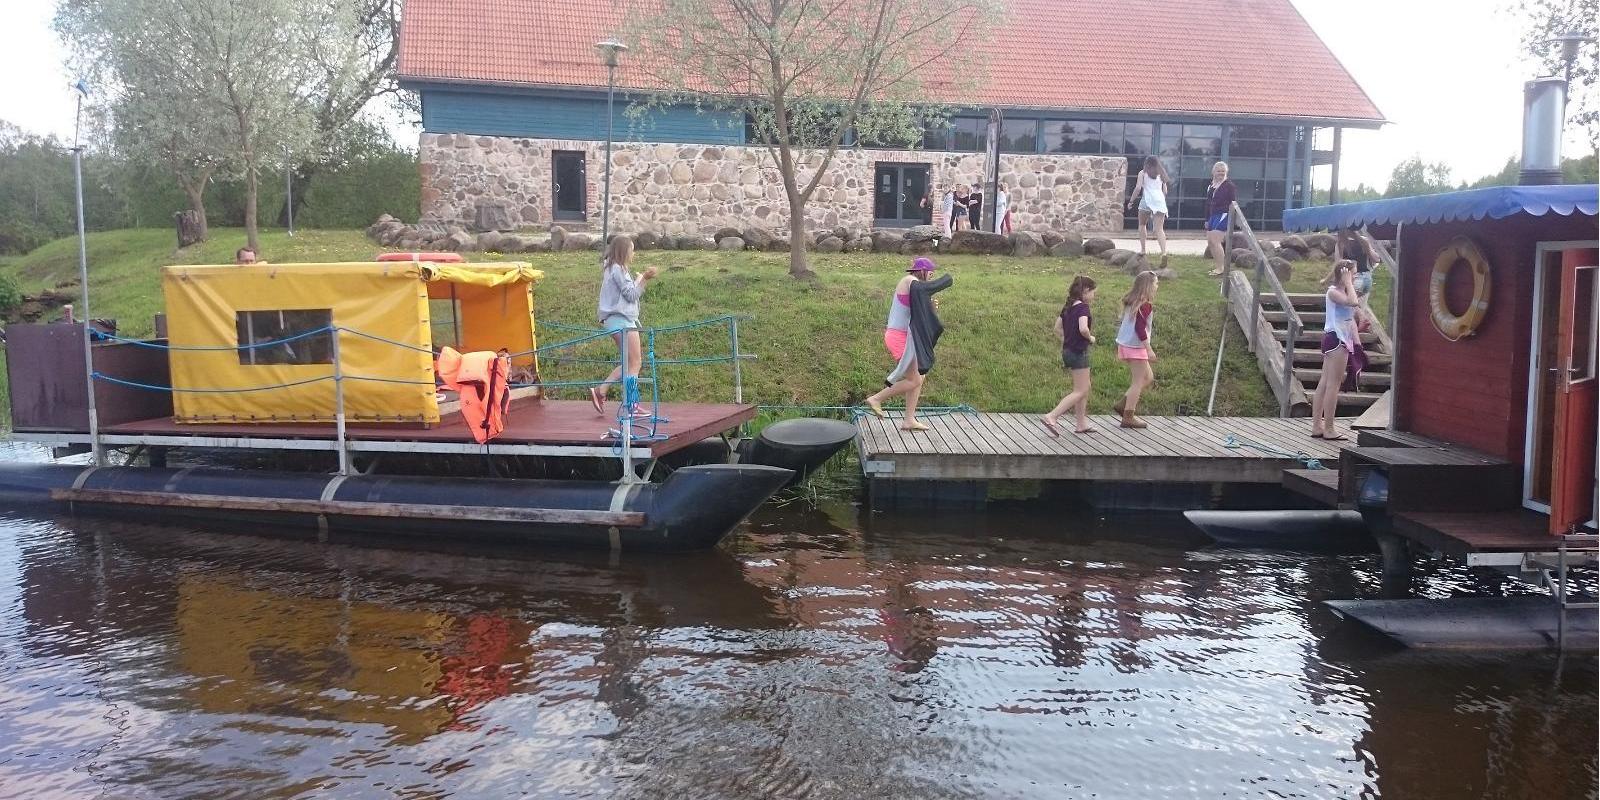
(922, 233)
(1321, 241)
(646, 240)
(1295, 243)
(830, 244)
(1239, 241)
(575, 241)
(1134, 265)
(860, 244)
(723, 233)
(849, 233)
(919, 247)
(757, 238)
(1118, 257)
(696, 242)
(887, 241)
(558, 238)
(780, 244)
(1051, 239)
(1067, 248)
(489, 241)
(537, 246)
(1098, 245)
(512, 243)
(980, 242)
(459, 241)
(1289, 254)
(1283, 269)
(1242, 258)
(492, 217)
(730, 244)
(1025, 244)
(378, 223)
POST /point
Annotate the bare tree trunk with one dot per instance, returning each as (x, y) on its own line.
(196, 192)
(252, 240)
(798, 266)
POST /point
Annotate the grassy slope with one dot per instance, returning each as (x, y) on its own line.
(819, 343)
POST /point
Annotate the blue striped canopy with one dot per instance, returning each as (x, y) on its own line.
(1494, 202)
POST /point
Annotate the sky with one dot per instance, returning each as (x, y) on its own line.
(1446, 73)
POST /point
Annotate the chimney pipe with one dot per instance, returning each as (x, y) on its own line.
(1544, 105)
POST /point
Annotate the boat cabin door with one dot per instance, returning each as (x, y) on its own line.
(1564, 396)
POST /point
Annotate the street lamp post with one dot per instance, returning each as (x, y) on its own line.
(610, 50)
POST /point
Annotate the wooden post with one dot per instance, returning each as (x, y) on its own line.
(738, 373)
(1285, 401)
(1333, 186)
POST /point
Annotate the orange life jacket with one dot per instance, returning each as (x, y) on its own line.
(480, 379)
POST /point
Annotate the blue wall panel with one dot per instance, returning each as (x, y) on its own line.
(550, 117)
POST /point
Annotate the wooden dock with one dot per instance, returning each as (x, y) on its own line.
(997, 447)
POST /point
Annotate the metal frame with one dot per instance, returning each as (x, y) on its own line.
(330, 445)
(1539, 251)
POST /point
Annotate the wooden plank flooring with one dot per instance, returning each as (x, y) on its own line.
(545, 422)
(1016, 446)
(1453, 533)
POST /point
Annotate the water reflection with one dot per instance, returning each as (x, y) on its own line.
(821, 654)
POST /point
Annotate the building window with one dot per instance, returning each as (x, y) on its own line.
(257, 328)
(936, 136)
(1019, 136)
(1081, 136)
(970, 134)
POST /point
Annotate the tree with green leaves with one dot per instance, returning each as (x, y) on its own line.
(1548, 19)
(1413, 177)
(807, 75)
(208, 87)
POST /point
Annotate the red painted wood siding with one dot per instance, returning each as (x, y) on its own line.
(1475, 391)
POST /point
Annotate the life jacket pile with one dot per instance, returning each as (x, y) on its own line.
(481, 380)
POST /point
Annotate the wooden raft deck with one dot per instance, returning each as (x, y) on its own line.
(981, 447)
(544, 427)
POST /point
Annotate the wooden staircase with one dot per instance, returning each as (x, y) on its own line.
(1267, 314)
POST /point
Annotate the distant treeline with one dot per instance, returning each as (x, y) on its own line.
(372, 176)
(1414, 176)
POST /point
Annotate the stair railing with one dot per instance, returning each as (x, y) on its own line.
(1265, 275)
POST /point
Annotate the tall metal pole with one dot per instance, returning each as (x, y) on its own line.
(83, 281)
(610, 50)
(288, 189)
(611, 91)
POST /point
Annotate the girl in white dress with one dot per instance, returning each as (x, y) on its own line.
(1150, 190)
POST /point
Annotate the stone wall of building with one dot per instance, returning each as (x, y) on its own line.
(699, 188)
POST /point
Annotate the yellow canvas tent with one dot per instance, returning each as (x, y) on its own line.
(256, 343)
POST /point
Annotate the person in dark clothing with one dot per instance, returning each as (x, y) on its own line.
(975, 207)
(911, 335)
(1219, 199)
(1073, 327)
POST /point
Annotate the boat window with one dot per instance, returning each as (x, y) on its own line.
(260, 328)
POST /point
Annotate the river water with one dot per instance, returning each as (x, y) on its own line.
(822, 653)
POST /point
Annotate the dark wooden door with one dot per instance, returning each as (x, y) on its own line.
(1572, 491)
(570, 187)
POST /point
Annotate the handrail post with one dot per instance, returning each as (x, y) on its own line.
(625, 415)
(338, 402)
(1285, 403)
(738, 372)
(1261, 280)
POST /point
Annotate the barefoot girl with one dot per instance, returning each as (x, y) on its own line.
(1150, 190)
(1133, 344)
(1072, 327)
(1220, 195)
(620, 291)
(1341, 346)
(911, 333)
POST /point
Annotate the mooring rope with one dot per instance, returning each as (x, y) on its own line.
(1235, 442)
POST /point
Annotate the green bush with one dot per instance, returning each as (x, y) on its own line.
(10, 295)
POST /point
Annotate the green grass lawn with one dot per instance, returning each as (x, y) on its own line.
(818, 342)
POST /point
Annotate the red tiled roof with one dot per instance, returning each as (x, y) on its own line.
(1226, 57)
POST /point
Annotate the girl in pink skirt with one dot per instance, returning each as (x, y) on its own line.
(1133, 344)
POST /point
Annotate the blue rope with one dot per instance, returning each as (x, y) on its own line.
(388, 380)
(251, 346)
(388, 341)
(136, 385)
(1236, 442)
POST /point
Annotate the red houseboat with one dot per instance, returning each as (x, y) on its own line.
(1490, 453)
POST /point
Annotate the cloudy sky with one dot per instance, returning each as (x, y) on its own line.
(1447, 73)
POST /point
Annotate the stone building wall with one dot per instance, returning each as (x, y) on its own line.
(680, 189)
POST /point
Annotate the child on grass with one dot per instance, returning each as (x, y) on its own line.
(1072, 328)
(1133, 344)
